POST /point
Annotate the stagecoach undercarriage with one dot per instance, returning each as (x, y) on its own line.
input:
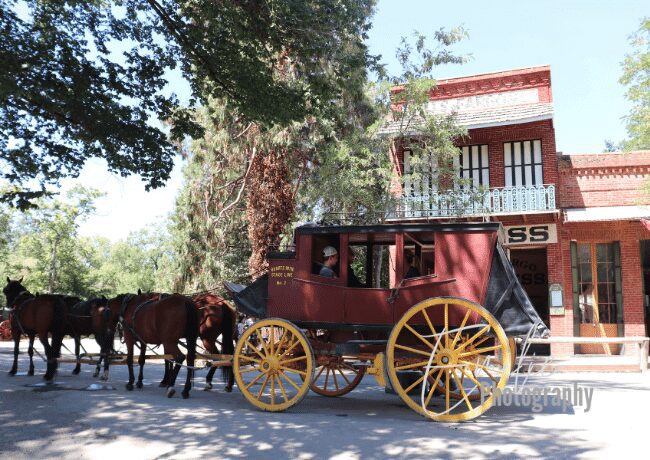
(444, 371)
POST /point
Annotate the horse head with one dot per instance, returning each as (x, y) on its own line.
(13, 290)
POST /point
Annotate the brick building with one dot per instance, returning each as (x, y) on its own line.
(560, 212)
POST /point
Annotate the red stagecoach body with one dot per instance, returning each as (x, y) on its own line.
(460, 260)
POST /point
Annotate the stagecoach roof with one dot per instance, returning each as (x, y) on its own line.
(313, 229)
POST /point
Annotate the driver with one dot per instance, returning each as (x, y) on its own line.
(330, 259)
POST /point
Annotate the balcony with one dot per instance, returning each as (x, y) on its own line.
(463, 203)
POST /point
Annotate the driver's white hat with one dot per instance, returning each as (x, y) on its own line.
(329, 251)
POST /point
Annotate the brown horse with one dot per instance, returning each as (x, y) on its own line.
(162, 320)
(80, 323)
(217, 317)
(36, 315)
(104, 317)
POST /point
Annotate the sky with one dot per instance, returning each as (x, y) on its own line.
(584, 42)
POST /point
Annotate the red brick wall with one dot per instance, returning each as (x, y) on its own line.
(496, 136)
(606, 179)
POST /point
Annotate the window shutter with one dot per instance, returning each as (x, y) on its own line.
(619, 286)
(574, 288)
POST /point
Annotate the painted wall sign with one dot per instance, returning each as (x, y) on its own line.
(531, 234)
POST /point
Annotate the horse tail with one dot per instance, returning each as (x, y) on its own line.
(227, 347)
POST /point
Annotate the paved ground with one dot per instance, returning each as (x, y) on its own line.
(67, 421)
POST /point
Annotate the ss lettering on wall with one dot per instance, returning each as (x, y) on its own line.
(531, 234)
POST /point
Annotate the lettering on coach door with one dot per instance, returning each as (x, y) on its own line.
(531, 234)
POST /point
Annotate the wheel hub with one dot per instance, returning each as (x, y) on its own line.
(271, 365)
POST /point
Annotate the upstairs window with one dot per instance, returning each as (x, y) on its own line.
(523, 163)
(474, 165)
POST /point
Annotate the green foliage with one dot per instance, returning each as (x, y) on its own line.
(43, 246)
(636, 76)
(86, 79)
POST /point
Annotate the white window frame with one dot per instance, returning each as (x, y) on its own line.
(523, 163)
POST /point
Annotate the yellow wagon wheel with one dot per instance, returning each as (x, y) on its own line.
(273, 364)
(443, 340)
(334, 376)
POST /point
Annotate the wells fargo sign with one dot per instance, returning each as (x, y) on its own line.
(531, 234)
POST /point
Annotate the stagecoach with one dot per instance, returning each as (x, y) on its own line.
(439, 340)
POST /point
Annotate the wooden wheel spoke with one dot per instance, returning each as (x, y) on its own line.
(295, 371)
(344, 376)
(417, 334)
(259, 394)
(428, 320)
(288, 350)
(447, 391)
(272, 389)
(319, 373)
(482, 341)
(446, 325)
(412, 366)
(477, 351)
(327, 376)
(459, 384)
(433, 387)
(254, 381)
(478, 384)
(336, 382)
(416, 383)
(250, 345)
(299, 358)
(485, 369)
(250, 358)
(412, 350)
(272, 341)
(282, 374)
(474, 337)
(462, 325)
(282, 390)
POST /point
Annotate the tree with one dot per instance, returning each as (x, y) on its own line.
(636, 76)
(68, 94)
(46, 248)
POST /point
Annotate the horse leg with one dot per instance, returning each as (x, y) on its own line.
(77, 343)
(14, 367)
(129, 363)
(51, 358)
(178, 360)
(141, 359)
(168, 371)
(30, 352)
(211, 349)
(190, 373)
(105, 353)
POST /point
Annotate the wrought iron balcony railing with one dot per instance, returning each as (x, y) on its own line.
(499, 200)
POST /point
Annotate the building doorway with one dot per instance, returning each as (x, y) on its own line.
(532, 270)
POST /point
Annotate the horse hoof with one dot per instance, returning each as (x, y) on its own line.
(208, 387)
(185, 394)
(75, 372)
(138, 385)
(30, 372)
(95, 374)
(162, 385)
(104, 377)
(12, 372)
(129, 386)
(228, 389)
(171, 392)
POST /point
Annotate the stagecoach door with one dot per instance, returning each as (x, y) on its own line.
(532, 271)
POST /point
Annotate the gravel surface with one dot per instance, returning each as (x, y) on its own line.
(81, 417)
